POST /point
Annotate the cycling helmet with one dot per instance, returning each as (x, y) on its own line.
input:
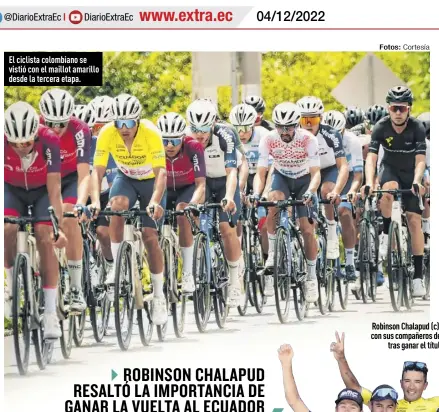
(171, 125)
(310, 106)
(425, 119)
(21, 122)
(399, 94)
(354, 116)
(335, 119)
(86, 113)
(201, 113)
(57, 105)
(126, 107)
(243, 115)
(103, 106)
(286, 114)
(256, 102)
(375, 113)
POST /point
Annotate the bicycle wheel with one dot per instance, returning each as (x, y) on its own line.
(282, 279)
(394, 267)
(144, 322)
(221, 279)
(408, 268)
(374, 250)
(66, 339)
(79, 323)
(324, 277)
(178, 303)
(332, 268)
(21, 321)
(124, 295)
(201, 297)
(299, 269)
(242, 309)
(166, 247)
(40, 346)
(342, 282)
(426, 268)
(257, 281)
(364, 260)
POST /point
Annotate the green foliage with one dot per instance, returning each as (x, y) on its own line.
(162, 80)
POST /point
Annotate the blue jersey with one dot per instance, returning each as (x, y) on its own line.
(111, 171)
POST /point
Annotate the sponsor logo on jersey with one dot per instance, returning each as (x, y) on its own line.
(228, 137)
(332, 136)
(389, 140)
(48, 157)
(80, 143)
(196, 163)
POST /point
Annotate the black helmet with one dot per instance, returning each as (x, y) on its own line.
(375, 113)
(257, 102)
(354, 116)
(400, 94)
(425, 119)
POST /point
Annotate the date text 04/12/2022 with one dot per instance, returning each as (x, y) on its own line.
(290, 16)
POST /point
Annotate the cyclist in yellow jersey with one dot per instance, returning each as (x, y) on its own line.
(413, 382)
(137, 149)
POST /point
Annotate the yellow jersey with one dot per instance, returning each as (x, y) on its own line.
(421, 405)
(147, 151)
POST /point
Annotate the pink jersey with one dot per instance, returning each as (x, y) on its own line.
(44, 158)
(187, 166)
(75, 145)
(290, 159)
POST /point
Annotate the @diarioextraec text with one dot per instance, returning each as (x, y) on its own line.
(174, 390)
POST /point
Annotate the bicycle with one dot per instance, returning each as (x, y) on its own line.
(427, 260)
(129, 264)
(210, 268)
(399, 263)
(290, 269)
(171, 252)
(28, 297)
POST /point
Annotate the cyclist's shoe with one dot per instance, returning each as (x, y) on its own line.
(159, 311)
(52, 328)
(78, 302)
(380, 279)
(8, 304)
(188, 284)
(311, 292)
(109, 282)
(350, 273)
(269, 286)
(384, 242)
(419, 288)
(333, 251)
(269, 263)
(357, 284)
(234, 298)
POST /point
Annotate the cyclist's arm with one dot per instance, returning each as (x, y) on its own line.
(315, 179)
(200, 190)
(243, 174)
(341, 162)
(159, 184)
(83, 183)
(421, 151)
(268, 182)
(231, 164)
(96, 180)
(291, 392)
(199, 163)
(263, 163)
(83, 144)
(349, 379)
(314, 164)
(100, 163)
(357, 165)
(356, 183)
(372, 156)
(54, 191)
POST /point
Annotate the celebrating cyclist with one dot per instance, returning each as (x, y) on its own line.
(56, 107)
(186, 183)
(137, 148)
(32, 166)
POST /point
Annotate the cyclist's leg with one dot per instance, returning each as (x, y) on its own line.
(309, 239)
(14, 207)
(150, 236)
(102, 230)
(348, 230)
(414, 214)
(329, 178)
(389, 180)
(69, 192)
(186, 240)
(48, 264)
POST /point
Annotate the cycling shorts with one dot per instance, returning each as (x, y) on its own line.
(330, 174)
(181, 195)
(69, 188)
(347, 187)
(217, 186)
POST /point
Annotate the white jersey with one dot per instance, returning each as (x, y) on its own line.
(330, 146)
(252, 149)
(353, 151)
(290, 159)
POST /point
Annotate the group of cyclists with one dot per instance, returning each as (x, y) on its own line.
(104, 154)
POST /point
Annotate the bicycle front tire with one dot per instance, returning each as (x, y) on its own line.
(282, 279)
(394, 267)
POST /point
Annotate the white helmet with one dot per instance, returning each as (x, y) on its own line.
(103, 106)
(256, 102)
(57, 105)
(311, 106)
(171, 125)
(201, 113)
(335, 119)
(243, 115)
(21, 122)
(286, 114)
(86, 113)
(126, 107)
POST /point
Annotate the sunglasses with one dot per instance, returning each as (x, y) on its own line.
(60, 125)
(396, 108)
(243, 129)
(385, 393)
(129, 124)
(202, 129)
(22, 145)
(284, 129)
(422, 366)
(310, 121)
(175, 141)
